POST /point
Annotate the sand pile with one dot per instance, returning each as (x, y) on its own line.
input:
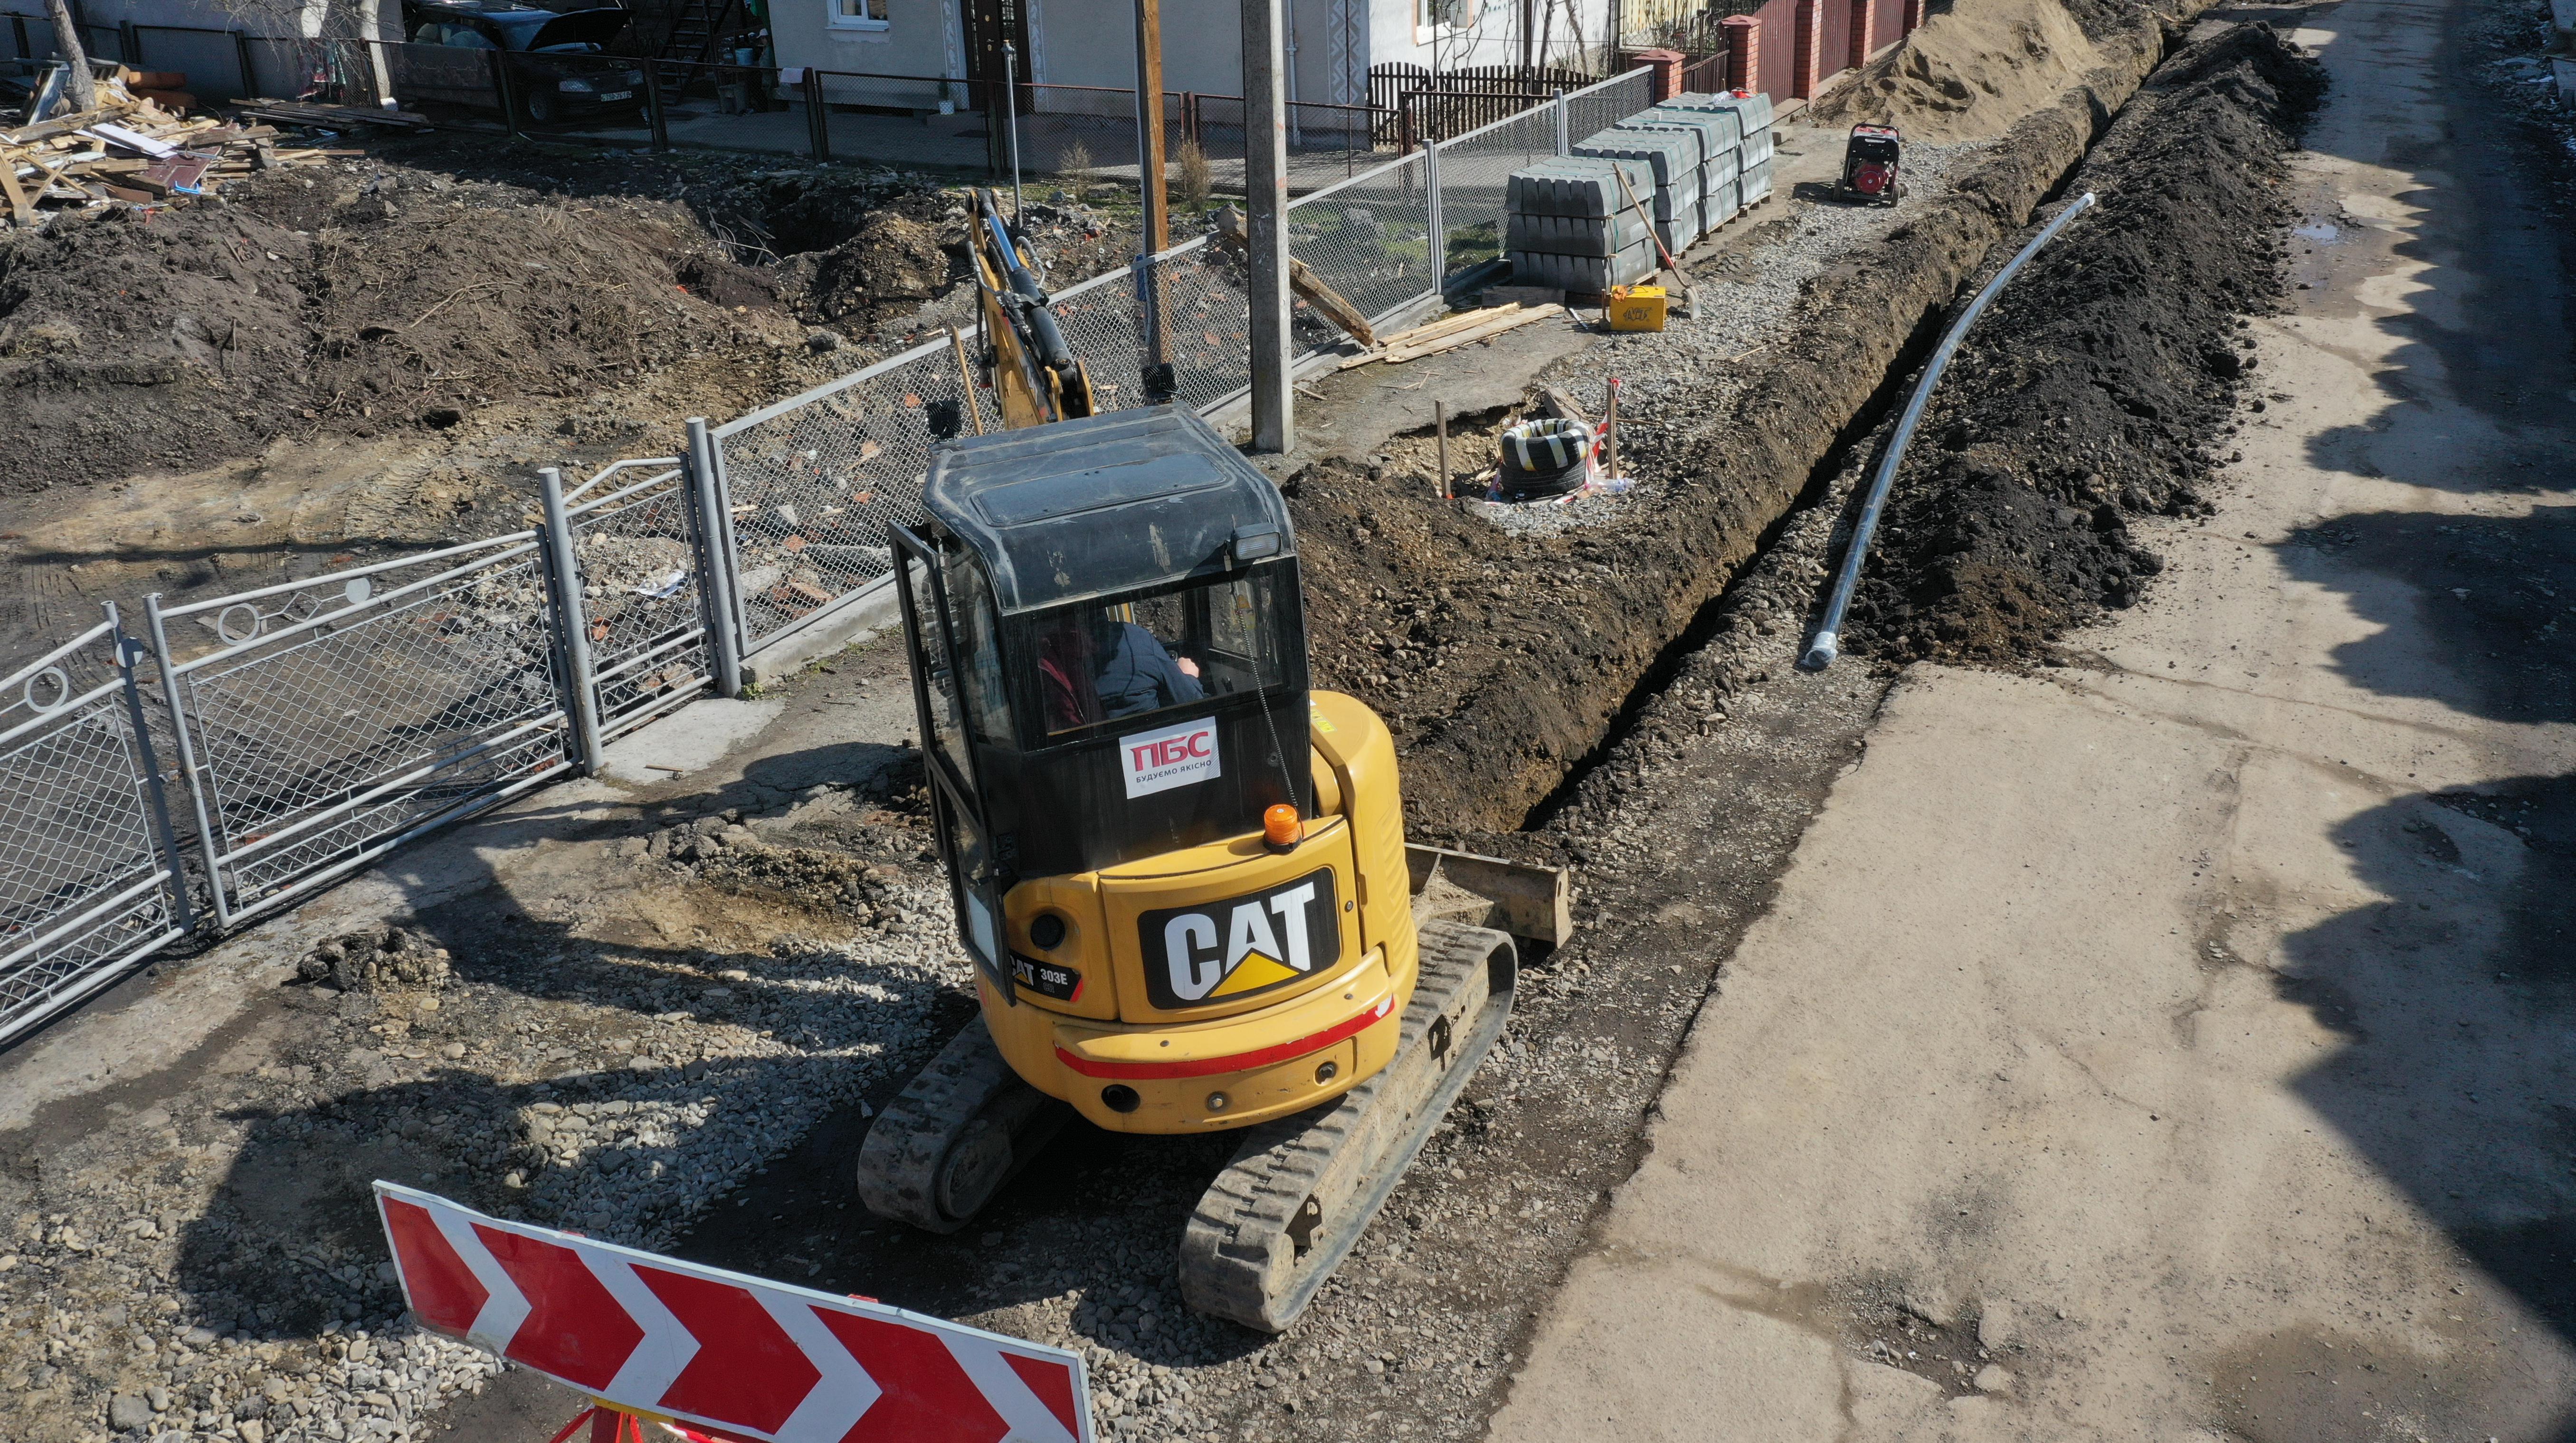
(1969, 73)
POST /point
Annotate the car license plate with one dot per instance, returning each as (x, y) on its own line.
(619, 95)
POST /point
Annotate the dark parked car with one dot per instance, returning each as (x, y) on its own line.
(559, 65)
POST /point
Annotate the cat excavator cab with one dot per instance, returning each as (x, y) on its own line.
(1179, 869)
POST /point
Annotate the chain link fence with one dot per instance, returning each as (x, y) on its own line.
(636, 601)
(314, 725)
(810, 484)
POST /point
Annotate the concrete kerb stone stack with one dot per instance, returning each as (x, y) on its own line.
(1719, 138)
(1734, 135)
(1567, 223)
(1752, 118)
(1675, 160)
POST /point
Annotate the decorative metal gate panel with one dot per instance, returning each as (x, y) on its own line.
(91, 880)
(338, 717)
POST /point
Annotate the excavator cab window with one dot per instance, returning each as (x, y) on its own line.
(1115, 662)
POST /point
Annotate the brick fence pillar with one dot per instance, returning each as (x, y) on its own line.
(1744, 51)
(1913, 16)
(1804, 63)
(1667, 66)
(1863, 38)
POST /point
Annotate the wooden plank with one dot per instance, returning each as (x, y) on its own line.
(20, 210)
(64, 125)
(1555, 402)
(1430, 331)
(1472, 335)
(1302, 280)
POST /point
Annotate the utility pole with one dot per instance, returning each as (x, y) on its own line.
(1152, 196)
(1149, 125)
(1265, 187)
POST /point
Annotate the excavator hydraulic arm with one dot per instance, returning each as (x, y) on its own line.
(1036, 376)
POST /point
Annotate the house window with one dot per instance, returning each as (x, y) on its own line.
(859, 14)
(1441, 17)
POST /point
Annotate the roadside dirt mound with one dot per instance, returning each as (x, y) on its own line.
(894, 262)
(1971, 72)
(426, 301)
(127, 343)
(2100, 382)
(349, 300)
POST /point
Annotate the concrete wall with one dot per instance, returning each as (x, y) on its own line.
(286, 18)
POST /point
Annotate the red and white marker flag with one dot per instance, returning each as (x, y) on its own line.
(738, 1356)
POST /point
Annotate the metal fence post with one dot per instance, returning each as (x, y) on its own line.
(1564, 135)
(572, 625)
(128, 653)
(189, 769)
(653, 105)
(509, 93)
(1431, 204)
(818, 125)
(715, 557)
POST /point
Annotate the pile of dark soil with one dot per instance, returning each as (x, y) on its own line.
(2100, 383)
(127, 343)
(347, 299)
(408, 289)
(427, 297)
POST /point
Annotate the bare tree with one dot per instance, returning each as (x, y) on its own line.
(81, 87)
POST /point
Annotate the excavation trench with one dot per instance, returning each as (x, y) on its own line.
(1505, 661)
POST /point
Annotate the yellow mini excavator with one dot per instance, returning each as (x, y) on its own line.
(1181, 873)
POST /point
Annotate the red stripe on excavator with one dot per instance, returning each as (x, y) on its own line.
(1237, 1062)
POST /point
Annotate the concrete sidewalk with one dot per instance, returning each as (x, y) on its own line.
(2144, 1051)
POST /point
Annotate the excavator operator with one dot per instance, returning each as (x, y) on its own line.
(1099, 668)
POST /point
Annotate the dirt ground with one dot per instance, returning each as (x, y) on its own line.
(2099, 386)
(674, 998)
(2171, 1043)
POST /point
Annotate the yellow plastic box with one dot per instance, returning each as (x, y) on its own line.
(1636, 308)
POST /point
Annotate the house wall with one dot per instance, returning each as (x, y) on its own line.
(1490, 34)
(922, 38)
(284, 18)
(1093, 42)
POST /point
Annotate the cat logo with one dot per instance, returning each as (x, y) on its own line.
(1217, 951)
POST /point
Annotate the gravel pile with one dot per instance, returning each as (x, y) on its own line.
(1699, 362)
(210, 1266)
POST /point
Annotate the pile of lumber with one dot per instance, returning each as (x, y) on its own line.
(131, 150)
(314, 115)
(1450, 332)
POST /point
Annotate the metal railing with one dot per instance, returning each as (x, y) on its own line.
(312, 726)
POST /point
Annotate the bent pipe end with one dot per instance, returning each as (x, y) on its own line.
(1821, 652)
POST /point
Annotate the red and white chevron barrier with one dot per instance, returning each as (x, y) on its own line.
(737, 1356)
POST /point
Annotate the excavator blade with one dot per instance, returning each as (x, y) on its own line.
(1301, 1190)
